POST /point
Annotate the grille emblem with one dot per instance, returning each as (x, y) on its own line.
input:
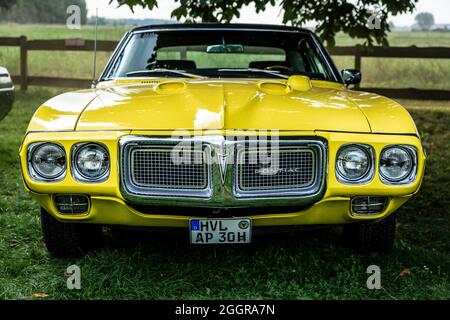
(273, 171)
(222, 158)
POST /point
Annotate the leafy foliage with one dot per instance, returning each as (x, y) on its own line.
(367, 19)
(425, 20)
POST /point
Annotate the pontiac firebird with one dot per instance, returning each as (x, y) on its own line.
(271, 137)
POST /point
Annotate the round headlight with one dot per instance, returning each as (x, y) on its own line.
(91, 161)
(353, 162)
(396, 163)
(48, 160)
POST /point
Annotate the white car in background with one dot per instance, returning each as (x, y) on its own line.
(6, 92)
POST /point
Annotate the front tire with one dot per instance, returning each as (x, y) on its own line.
(64, 239)
(371, 237)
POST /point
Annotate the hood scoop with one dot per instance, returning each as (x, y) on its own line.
(293, 83)
(299, 83)
(170, 87)
(274, 87)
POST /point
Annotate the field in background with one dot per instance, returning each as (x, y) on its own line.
(308, 265)
(377, 72)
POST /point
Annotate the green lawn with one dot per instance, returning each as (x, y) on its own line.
(377, 72)
(308, 265)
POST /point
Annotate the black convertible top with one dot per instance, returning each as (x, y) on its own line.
(243, 26)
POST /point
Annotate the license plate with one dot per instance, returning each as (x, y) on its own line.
(217, 231)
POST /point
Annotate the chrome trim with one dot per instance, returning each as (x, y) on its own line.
(161, 149)
(368, 176)
(288, 149)
(369, 213)
(76, 174)
(113, 57)
(218, 194)
(204, 152)
(72, 204)
(318, 176)
(35, 176)
(129, 186)
(411, 177)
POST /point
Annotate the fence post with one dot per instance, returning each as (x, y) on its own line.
(357, 62)
(23, 63)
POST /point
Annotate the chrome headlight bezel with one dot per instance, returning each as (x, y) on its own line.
(77, 174)
(368, 175)
(35, 173)
(410, 176)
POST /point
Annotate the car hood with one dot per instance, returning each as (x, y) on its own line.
(222, 104)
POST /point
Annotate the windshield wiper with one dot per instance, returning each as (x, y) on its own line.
(163, 70)
(271, 72)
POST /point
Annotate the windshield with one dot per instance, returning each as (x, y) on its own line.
(220, 54)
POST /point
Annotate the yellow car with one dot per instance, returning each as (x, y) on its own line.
(221, 131)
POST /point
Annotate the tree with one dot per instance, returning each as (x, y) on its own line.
(425, 20)
(367, 19)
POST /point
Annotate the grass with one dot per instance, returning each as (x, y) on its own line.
(308, 265)
(377, 72)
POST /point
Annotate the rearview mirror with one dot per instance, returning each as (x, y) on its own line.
(225, 48)
(351, 76)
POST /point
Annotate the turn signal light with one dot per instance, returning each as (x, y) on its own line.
(72, 204)
(368, 205)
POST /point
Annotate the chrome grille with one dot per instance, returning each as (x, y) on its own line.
(222, 172)
(155, 168)
(290, 168)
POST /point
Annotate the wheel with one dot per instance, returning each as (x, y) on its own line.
(64, 239)
(371, 237)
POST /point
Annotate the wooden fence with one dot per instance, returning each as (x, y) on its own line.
(88, 45)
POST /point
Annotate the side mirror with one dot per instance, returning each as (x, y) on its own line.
(351, 76)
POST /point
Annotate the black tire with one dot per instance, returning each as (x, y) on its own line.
(371, 237)
(64, 239)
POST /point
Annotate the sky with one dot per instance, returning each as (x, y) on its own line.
(439, 8)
